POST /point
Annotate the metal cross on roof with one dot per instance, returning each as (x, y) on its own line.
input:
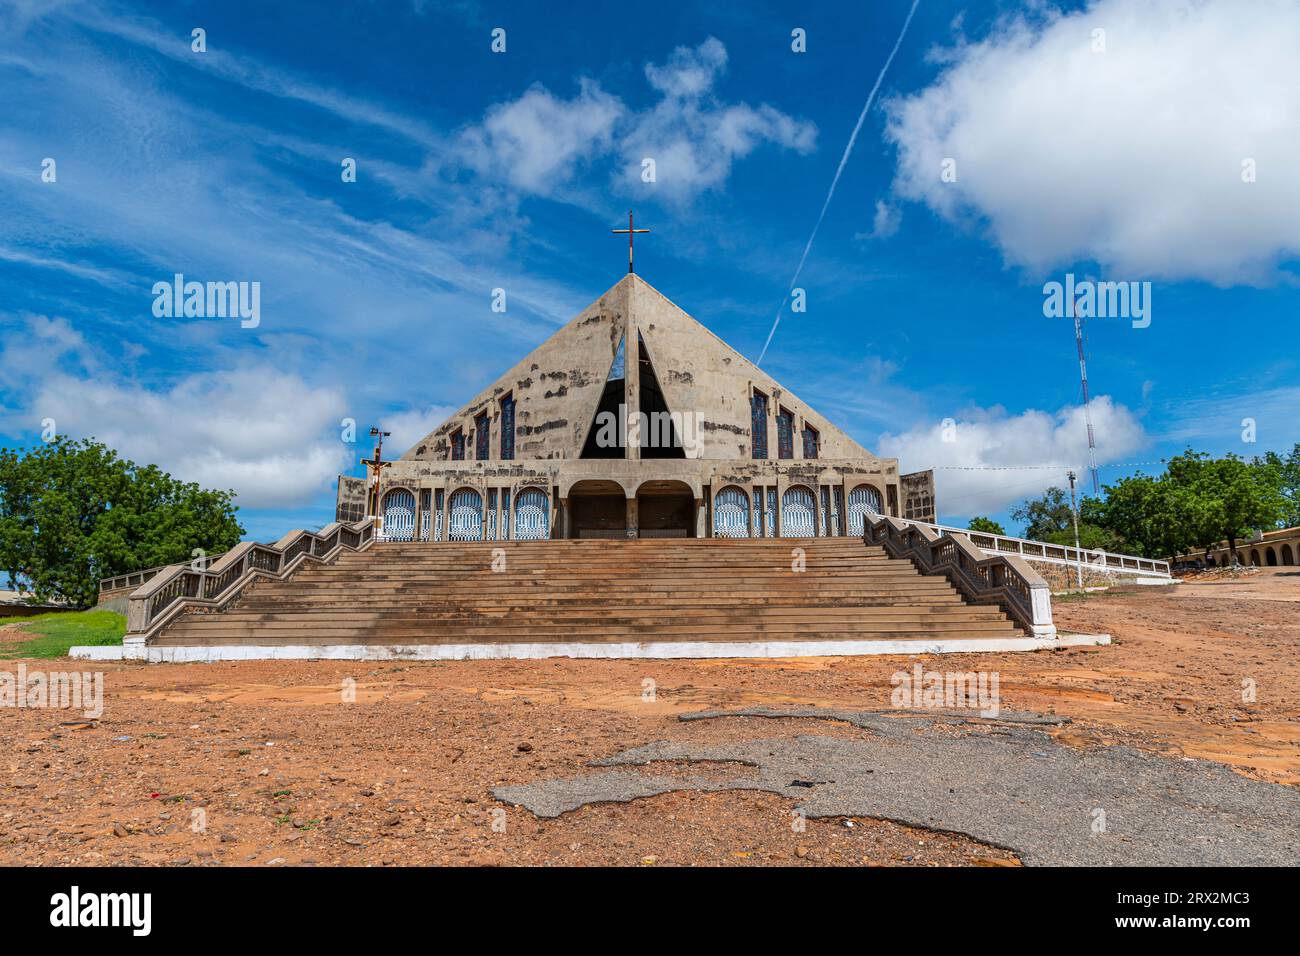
(630, 233)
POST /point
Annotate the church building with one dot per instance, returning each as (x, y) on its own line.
(634, 421)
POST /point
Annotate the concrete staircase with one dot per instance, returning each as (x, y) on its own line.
(594, 591)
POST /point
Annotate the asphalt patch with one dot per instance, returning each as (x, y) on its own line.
(1001, 781)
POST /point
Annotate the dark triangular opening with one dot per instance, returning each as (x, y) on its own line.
(605, 433)
(660, 437)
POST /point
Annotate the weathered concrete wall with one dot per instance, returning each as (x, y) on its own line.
(350, 501)
(697, 475)
(697, 371)
(556, 389)
(1064, 577)
(918, 496)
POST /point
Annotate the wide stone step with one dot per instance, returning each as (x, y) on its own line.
(470, 634)
(792, 614)
(613, 586)
(635, 591)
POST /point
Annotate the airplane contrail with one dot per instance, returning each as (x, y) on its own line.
(871, 97)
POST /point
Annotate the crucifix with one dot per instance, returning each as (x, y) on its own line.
(630, 233)
(376, 465)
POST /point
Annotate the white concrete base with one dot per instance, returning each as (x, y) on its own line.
(96, 653)
(660, 650)
(1158, 582)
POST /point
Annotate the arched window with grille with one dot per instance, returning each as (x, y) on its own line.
(731, 513)
(798, 513)
(465, 516)
(532, 515)
(399, 515)
(863, 500)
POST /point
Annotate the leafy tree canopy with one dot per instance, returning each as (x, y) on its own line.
(986, 525)
(1197, 502)
(73, 512)
(1284, 472)
(1046, 515)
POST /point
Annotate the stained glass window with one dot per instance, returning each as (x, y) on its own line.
(758, 424)
(810, 441)
(458, 445)
(784, 434)
(481, 436)
(508, 428)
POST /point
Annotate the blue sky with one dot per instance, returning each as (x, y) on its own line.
(479, 170)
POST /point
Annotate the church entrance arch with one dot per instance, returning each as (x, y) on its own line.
(665, 509)
(597, 509)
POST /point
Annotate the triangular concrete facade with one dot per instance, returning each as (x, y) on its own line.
(557, 387)
(699, 371)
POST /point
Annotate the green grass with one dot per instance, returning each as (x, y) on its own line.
(52, 634)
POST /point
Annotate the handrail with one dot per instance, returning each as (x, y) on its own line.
(1006, 580)
(137, 578)
(1054, 553)
(216, 582)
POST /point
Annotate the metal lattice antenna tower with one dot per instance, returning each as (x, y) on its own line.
(1087, 405)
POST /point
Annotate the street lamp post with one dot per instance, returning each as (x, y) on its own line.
(1078, 552)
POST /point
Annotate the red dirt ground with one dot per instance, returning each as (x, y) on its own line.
(284, 772)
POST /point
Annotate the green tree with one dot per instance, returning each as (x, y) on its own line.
(1223, 498)
(985, 525)
(73, 512)
(1045, 516)
(1284, 472)
(1049, 518)
(1138, 512)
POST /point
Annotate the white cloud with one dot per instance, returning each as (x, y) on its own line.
(689, 73)
(538, 141)
(261, 431)
(1131, 157)
(884, 223)
(691, 135)
(991, 437)
(409, 426)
